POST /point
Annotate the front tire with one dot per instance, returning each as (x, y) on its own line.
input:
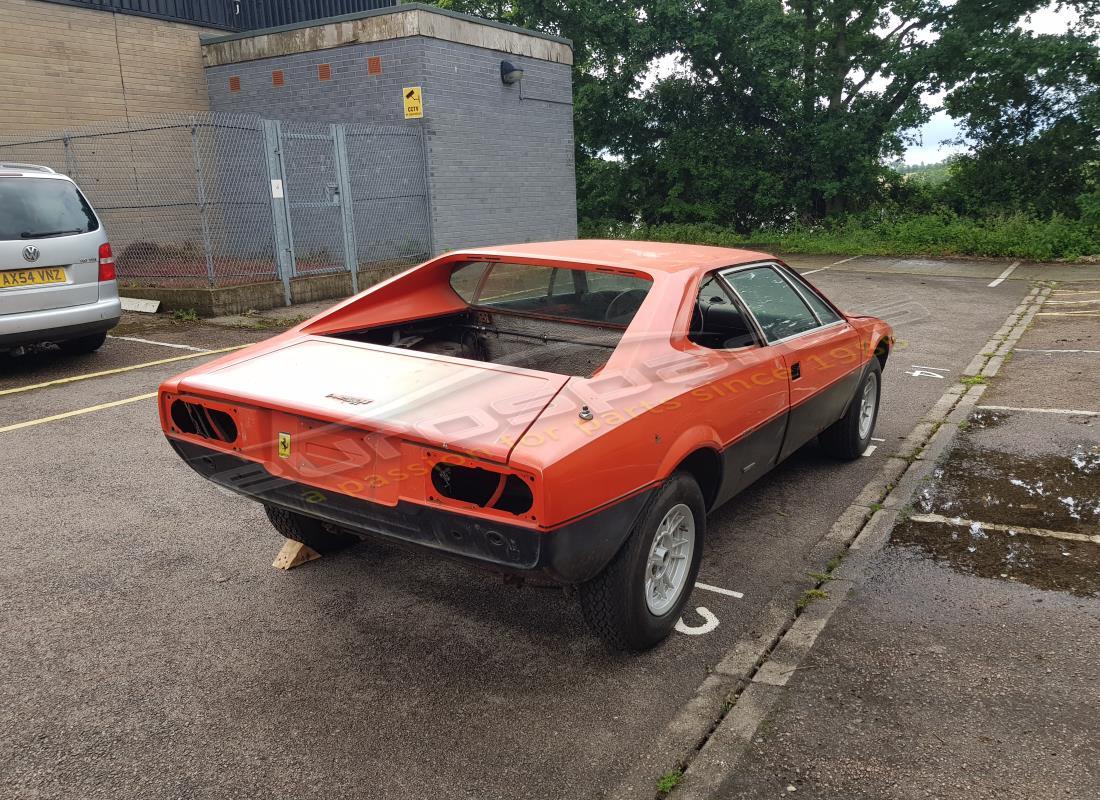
(849, 436)
(636, 601)
(310, 532)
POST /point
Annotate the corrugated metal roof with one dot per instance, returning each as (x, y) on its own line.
(234, 15)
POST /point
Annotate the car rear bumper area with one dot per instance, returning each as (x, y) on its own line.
(571, 554)
(59, 324)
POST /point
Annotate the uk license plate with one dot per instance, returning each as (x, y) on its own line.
(13, 279)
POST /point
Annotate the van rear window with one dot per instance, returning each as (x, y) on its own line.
(32, 208)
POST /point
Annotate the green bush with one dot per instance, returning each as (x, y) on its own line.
(930, 234)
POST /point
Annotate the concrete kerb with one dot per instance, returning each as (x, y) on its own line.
(1005, 339)
(750, 679)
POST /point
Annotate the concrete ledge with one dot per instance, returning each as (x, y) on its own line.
(407, 19)
(229, 300)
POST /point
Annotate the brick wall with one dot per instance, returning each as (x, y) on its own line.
(351, 94)
(500, 168)
(65, 66)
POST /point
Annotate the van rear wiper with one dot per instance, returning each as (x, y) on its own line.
(45, 234)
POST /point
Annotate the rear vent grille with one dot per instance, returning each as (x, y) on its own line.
(209, 423)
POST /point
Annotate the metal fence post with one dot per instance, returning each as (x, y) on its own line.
(70, 165)
(347, 204)
(427, 189)
(200, 187)
(280, 226)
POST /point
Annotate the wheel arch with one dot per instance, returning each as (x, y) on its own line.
(882, 350)
(704, 464)
(697, 451)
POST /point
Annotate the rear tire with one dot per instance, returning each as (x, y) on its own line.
(624, 604)
(849, 436)
(310, 532)
(83, 344)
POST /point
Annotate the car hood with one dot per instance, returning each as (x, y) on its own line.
(477, 408)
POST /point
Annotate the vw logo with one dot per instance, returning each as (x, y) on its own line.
(31, 253)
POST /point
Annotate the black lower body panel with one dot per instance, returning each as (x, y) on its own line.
(573, 553)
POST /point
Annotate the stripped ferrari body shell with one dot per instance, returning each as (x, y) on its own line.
(521, 469)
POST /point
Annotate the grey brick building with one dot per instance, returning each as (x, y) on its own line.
(498, 157)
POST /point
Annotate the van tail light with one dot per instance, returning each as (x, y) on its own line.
(106, 263)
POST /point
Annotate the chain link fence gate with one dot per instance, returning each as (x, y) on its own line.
(217, 199)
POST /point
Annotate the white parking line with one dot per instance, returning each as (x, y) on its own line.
(719, 590)
(1032, 350)
(1068, 411)
(114, 404)
(1001, 278)
(870, 449)
(830, 266)
(959, 522)
(873, 439)
(162, 344)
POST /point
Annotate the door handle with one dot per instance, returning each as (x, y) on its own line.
(796, 371)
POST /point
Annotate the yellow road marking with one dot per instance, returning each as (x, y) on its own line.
(77, 413)
(1068, 314)
(117, 370)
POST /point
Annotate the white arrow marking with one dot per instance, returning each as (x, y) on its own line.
(710, 624)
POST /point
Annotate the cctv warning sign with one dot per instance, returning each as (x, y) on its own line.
(414, 106)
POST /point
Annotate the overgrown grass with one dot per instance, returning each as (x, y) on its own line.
(942, 234)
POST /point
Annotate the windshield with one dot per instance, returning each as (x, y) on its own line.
(32, 208)
(574, 294)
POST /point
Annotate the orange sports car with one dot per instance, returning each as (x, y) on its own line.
(568, 411)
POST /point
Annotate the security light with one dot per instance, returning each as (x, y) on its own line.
(510, 73)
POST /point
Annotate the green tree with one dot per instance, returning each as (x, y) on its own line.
(785, 110)
(1032, 111)
(817, 95)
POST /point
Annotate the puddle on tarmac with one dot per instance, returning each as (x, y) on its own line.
(983, 420)
(1072, 567)
(1054, 492)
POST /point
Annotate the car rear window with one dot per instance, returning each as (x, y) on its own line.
(31, 208)
(573, 294)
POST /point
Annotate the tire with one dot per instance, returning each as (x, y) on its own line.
(617, 604)
(310, 532)
(848, 437)
(83, 344)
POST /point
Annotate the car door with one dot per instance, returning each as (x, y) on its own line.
(820, 348)
(748, 398)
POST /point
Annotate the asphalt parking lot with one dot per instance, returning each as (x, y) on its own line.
(150, 650)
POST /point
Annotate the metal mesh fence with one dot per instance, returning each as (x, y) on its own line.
(309, 162)
(386, 172)
(192, 200)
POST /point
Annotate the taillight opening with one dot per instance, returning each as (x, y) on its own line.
(198, 420)
(482, 487)
(106, 263)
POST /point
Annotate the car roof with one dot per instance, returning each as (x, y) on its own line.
(625, 254)
(19, 169)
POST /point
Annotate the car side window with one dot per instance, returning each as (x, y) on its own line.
(823, 310)
(779, 309)
(717, 322)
